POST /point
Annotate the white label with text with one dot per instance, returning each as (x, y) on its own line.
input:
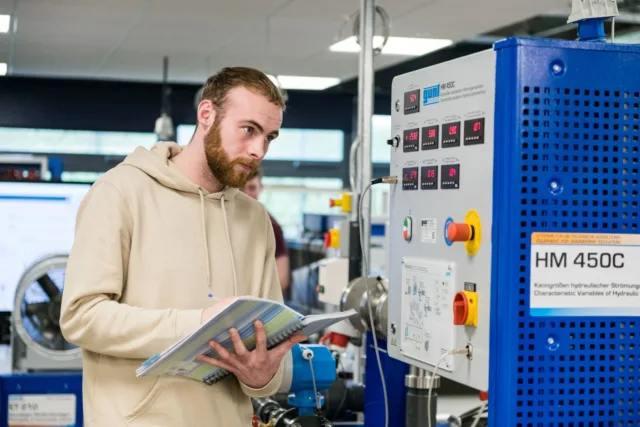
(575, 274)
(428, 230)
(42, 410)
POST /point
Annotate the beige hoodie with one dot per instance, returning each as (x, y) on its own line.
(150, 248)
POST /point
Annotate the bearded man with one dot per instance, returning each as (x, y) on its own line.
(160, 241)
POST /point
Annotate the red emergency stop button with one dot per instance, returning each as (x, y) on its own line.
(327, 240)
(457, 232)
(460, 309)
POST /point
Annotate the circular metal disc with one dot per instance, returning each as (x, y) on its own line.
(36, 311)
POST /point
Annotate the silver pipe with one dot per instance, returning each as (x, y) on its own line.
(365, 98)
(353, 166)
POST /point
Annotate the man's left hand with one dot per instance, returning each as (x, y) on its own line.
(253, 368)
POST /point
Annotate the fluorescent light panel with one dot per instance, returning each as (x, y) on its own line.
(3, 68)
(5, 23)
(407, 46)
(304, 83)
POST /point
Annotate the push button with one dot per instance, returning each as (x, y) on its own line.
(457, 232)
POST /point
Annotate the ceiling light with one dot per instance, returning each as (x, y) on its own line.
(304, 83)
(3, 68)
(5, 23)
(395, 45)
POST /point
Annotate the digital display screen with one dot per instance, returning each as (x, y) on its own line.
(430, 137)
(410, 140)
(450, 177)
(412, 102)
(36, 220)
(451, 134)
(474, 131)
(410, 178)
(429, 179)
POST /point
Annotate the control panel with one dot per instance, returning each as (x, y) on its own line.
(440, 217)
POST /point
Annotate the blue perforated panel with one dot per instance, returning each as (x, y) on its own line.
(566, 113)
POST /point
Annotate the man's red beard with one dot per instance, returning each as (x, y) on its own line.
(228, 172)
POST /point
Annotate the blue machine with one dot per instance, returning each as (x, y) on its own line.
(567, 142)
(313, 372)
(535, 155)
(394, 374)
(314, 369)
(41, 397)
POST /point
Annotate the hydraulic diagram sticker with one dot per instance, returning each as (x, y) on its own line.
(585, 274)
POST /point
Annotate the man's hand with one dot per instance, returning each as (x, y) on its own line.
(217, 306)
(253, 368)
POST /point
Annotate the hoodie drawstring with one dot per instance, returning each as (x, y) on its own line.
(204, 237)
(206, 245)
(233, 261)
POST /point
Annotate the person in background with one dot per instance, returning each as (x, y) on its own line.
(162, 241)
(253, 188)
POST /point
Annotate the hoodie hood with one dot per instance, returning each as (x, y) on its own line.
(156, 162)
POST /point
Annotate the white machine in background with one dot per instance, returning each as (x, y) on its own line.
(334, 270)
(37, 343)
(37, 221)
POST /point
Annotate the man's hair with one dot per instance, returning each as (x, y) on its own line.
(218, 86)
(256, 174)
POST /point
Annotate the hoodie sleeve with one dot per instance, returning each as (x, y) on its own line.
(270, 290)
(91, 316)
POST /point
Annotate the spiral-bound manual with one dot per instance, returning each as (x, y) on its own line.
(280, 323)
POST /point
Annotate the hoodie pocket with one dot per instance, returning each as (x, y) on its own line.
(148, 400)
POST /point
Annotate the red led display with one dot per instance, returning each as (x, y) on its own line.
(430, 138)
(413, 174)
(451, 134)
(410, 178)
(450, 179)
(412, 136)
(410, 140)
(429, 178)
(474, 131)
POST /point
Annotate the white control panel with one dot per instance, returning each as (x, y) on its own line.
(441, 217)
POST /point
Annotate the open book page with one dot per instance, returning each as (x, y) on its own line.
(318, 322)
(241, 313)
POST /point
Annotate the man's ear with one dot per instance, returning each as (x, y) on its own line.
(206, 113)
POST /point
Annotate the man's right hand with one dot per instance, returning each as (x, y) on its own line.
(218, 306)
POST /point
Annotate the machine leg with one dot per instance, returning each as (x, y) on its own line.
(418, 413)
(394, 372)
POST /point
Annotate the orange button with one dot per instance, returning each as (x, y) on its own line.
(484, 396)
(459, 232)
(332, 203)
(460, 309)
